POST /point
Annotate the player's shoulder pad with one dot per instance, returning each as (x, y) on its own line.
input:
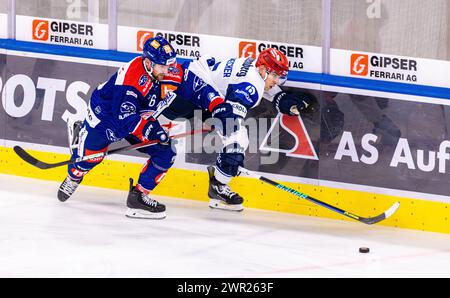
(175, 76)
(134, 75)
(247, 93)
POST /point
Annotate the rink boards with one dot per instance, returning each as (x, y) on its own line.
(362, 152)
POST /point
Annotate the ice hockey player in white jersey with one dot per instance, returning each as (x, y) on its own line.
(241, 83)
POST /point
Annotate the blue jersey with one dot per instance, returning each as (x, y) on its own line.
(197, 88)
(122, 105)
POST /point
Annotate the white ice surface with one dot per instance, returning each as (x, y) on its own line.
(89, 236)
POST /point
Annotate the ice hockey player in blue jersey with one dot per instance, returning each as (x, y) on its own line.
(228, 89)
(121, 108)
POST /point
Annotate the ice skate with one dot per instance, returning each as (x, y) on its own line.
(221, 196)
(141, 205)
(67, 188)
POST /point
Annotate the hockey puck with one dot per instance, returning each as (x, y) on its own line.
(364, 250)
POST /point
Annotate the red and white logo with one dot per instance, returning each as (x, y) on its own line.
(247, 49)
(40, 30)
(78, 173)
(142, 37)
(92, 152)
(359, 64)
(303, 147)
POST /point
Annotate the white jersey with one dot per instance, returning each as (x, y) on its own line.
(238, 80)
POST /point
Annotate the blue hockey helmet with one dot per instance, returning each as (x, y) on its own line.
(159, 51)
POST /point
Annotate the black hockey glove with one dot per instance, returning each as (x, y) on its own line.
(294, 103)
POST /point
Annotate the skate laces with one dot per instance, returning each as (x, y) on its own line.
(149, 201)
(226, 190)
(69, 186)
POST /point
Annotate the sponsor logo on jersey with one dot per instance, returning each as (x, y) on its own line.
(127, 109)
(383, 67)
(131, 93)
(40, 30)
(228, 70)
(198, 84)
(247, 49)
(142, 37)
(239, 109)
(302, 146)
(143, 79)
(111, 136)
(246, 95)
(245, 67)
(251, 90)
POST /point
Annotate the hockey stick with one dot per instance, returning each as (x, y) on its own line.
(366, 220)
(44, 166)
(162, 105)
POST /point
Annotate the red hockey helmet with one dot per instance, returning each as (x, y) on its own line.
(274, 60)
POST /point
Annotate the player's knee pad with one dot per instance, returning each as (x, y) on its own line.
(78, 170)
(238, 139)
(163, 156)
(156, 167)
(88, 144)
(229, 163)
(151, 175)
